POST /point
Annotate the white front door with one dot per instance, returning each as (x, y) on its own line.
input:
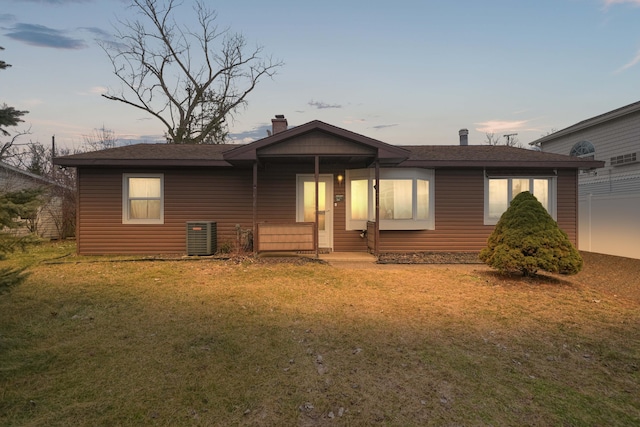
(306, 203)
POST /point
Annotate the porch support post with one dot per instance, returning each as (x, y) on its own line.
(376, 247)
(255, 205)
(317, 178)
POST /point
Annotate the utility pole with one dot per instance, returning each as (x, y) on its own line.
(509, 137)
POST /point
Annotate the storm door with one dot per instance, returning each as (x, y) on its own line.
(306, 203)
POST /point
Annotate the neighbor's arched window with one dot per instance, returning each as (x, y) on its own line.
(583, 149)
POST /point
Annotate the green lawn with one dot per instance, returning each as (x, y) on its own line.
(104, 341)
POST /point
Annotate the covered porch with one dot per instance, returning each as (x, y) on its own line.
(317, 156)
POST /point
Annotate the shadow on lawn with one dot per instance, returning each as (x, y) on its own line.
(497, 278)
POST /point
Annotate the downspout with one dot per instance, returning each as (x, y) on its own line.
(317, 178)
(77, 230)
(376, 246)
(254, 225)
(576, 205)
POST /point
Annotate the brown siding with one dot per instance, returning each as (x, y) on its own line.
(221, 195)
(459, 214)
(317, 143)
(277, 200)
(567, 208)
(277, 192)
(225, 196)
(459, 217)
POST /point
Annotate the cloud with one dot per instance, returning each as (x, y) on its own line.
(378, 127)
(95, 90)
(608, 3)
(39, 35)
(322, 105)
(497, 126)
(633, 62)
(254, 134)
(98, 32)
(350, 121)
(32, 102)
(129, 139)
(55, 1)
(98, 90)
(7, 17)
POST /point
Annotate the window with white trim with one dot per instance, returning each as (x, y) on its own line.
(142, 198)
(500, 191)
(406, 199)
(584, 149)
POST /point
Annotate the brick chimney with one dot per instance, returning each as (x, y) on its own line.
(279, 124)
(464, 136)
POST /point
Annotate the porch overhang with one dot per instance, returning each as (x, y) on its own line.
(317, 139)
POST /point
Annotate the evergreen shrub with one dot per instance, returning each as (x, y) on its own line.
(527, 239)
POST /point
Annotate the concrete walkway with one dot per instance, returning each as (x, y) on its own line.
(348, 257)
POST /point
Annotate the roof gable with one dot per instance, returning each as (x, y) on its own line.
(317, 138)
(12, 170)
(315, 142)
(593, 121)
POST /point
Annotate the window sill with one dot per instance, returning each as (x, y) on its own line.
(385, 224)
(143, 222)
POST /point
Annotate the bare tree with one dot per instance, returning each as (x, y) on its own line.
(510, 140)
(491, 139)
(100, 139)
(190, 78)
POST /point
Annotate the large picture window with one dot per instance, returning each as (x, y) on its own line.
(499, 192)
(406, 199)
(143, 199)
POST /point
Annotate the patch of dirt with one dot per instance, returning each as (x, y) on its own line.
(430, 258)
(271, 259)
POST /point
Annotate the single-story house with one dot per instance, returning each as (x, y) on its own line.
(161, 198)
(609, 198)
(48, 222)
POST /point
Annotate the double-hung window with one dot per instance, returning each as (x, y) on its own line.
(500, 191)
(406, 199)
(142, 198)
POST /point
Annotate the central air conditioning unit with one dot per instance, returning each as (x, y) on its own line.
(202, 238)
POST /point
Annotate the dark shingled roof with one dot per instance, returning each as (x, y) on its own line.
(429, 156)
(490, 156)
(151, 155)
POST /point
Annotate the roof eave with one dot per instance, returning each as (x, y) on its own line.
(593, 121)
(501, 164)
(70, 162)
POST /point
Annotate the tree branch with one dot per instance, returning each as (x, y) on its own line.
(156, 65)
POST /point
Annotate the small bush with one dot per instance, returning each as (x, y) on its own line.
(528, 239)
(11, 277)
(225, 248)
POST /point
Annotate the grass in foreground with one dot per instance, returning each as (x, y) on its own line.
(215, 343)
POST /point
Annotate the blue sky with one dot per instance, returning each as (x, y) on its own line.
(403, 72)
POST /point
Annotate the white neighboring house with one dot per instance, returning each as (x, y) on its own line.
(609, 198)
(49, 219)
